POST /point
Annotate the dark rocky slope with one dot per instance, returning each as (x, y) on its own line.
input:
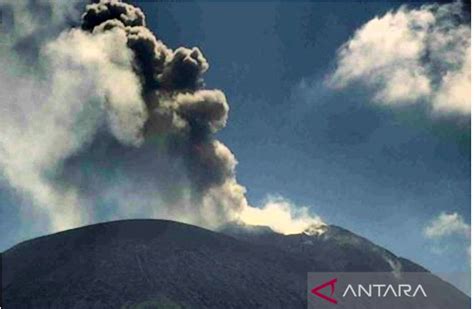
(165, 264)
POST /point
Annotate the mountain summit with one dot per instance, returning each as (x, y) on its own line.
(166, 264)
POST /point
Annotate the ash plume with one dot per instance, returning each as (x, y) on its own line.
(128, 126)
(177, 103)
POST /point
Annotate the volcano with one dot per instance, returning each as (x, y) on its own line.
(166, 264)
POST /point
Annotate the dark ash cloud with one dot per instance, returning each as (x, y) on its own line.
(127, 127)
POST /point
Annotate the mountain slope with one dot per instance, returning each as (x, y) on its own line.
(140, 263)
(348, 251)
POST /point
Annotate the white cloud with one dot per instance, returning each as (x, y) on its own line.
(46, 120)
(106, 63)
(411, 55)
(447, 225)
(281, 216)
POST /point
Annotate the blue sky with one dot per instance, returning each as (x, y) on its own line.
(381, 172)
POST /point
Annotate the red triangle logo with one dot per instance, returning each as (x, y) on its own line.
(332, 284)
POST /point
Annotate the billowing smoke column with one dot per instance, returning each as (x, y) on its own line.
(177, 106)
(124, 120)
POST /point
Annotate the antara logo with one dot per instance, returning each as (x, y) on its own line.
(384, 290)
(369, 290)
(332, 284)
